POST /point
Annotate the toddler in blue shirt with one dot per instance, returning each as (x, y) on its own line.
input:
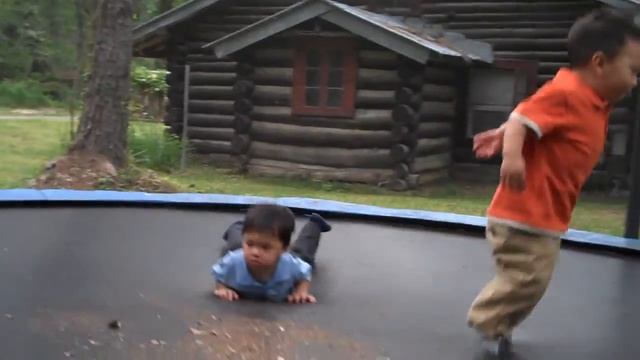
(256, 260)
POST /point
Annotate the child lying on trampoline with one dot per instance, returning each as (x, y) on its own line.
(257, 263)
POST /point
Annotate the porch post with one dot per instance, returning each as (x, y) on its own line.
(632, 225)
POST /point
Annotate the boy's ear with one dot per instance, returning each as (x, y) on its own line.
(598, 60)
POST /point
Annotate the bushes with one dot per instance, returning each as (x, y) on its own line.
(152, 147)
(148, 91)
(23, 93)
(148, 80)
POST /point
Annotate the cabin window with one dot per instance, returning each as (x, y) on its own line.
(324, 78)
(494, 92)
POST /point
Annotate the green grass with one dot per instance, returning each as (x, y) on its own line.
(152, 147)
(27, 145)
(594, 212)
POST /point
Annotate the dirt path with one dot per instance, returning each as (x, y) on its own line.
(35, 117)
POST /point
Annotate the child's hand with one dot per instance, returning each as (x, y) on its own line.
(225, 293)
(512, 172)
(489, 143)
(301, 297)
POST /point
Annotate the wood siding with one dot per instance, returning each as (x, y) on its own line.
(212, 80)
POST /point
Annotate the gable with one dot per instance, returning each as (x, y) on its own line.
(150, 36)
(410, 37)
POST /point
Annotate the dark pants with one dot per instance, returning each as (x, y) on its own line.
(305, 246)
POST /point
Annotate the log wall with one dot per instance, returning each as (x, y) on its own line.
(531, 30)
(242, 107)
(211, 106)
(269, 139)
(424, 116)
(410, 115)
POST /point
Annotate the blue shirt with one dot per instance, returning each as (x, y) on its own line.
(232, 272)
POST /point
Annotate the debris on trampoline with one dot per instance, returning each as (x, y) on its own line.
(234, 338)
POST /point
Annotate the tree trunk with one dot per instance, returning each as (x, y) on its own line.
(52, 8)
(81, 24)
(91, 13)
(81, 38)
(104, 122)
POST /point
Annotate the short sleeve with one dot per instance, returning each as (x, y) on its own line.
(223, 269)
(543, 112)
(304, 270)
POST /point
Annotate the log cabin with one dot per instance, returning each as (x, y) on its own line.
(385, 92)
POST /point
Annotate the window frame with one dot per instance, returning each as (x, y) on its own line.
(526, 69)
(463, 152)
(350, 68)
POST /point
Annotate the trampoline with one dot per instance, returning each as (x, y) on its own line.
(105, 276)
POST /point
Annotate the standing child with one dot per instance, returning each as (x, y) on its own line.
(550, 145)
(256, 262)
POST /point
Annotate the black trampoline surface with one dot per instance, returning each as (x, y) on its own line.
(384, 292)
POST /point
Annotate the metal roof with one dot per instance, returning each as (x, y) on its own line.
(153, 31)
(411, 37)
(623, 4)
(192, 7)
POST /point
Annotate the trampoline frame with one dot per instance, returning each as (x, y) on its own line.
(35, 197)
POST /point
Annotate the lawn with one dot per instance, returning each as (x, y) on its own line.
(27, 145)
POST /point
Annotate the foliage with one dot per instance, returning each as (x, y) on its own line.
(36, 37)
(151, 146)
(149, 81)
(21, 37)
(149, 90)
(23, 93)
(39, 41)
(146, 9)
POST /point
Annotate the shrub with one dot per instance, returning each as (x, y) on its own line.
(153, 147)
(149, 81)
(23, 93)
(148, 92)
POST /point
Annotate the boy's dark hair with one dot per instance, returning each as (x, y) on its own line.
(272, 219)
(602, 30)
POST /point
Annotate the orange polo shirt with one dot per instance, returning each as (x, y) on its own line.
(568, 123)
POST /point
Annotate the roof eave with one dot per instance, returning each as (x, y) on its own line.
(310, 9)
(267, 27)
(192, 7)
(378, 35)
(623, 4)
(401, 44)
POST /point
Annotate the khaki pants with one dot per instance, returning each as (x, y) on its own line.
(524, 263)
